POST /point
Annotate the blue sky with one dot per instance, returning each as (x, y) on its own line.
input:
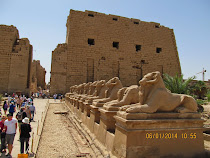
(43, 22)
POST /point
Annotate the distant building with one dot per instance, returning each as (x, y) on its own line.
(100, 46)
(15, 61)
(38, 76)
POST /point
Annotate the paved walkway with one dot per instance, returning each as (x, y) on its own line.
(40, 105)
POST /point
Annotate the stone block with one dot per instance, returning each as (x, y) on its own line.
(158, 135)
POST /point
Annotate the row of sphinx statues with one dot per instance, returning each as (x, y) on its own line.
(150, 97)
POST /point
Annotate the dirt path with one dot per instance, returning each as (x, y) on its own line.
(59, 138)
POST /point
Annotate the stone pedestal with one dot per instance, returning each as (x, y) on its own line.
(81, 106)
(71, 106)
(74, 101)
(86, 115)
(94, 117)
(158, 135)
(78, 110)
(107, 124)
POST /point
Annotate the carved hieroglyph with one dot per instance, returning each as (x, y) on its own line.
(154, 96)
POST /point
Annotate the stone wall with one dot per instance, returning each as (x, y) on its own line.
(58, 69)
(15, 61)
(101, 46)
(38, 76)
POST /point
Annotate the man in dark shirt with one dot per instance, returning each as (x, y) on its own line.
(12, 108)
(25, 130)
(20, 116)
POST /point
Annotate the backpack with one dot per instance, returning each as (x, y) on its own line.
(20, 116)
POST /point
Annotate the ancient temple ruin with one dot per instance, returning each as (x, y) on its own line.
(17, 72)
(15, 61)
(100, 46)
(38, 76)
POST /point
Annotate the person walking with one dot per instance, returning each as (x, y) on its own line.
(12, 108)
(19, 102)
(25, 130)
(5, 107)
(24, 103)
(55, 97)
(20, 116)
(33, 110)
(9, 99)
(10, 126)
(28, 112)
(3, 134)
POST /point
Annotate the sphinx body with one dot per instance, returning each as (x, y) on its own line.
(126, 96)
(99, 91)
(155, 97)
(113, 86)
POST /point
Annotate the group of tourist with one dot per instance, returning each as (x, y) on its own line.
(8, 125)
(40, 94)
(57, 96)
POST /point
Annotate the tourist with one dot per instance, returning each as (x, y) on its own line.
(5, 107)
(28, 112)
(12, 100)
(0, 114)
(15, 101)
(25, 130)
(9, 99)
(24, 103)
(32, 99)
(24, 97)
(61, 98)
(28, 101)
(55, 96)
(33, 110)
(12, 108)
(3, 134)
(20, 116)
(19, 102)
(10, 126)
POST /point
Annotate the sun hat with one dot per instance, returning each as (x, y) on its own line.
(26, 120)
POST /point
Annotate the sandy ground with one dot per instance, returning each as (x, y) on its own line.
(59, 138)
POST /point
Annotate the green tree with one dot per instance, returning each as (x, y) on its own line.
(208, 95)
(199, 89)
(177, 84)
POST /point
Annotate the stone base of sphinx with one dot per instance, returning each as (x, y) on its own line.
(94, 117)
(158, 135)
(106, 128)
(86, 114)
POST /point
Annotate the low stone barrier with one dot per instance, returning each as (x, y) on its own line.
(144, 121)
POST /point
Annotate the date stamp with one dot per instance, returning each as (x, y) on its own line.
(171, 136)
